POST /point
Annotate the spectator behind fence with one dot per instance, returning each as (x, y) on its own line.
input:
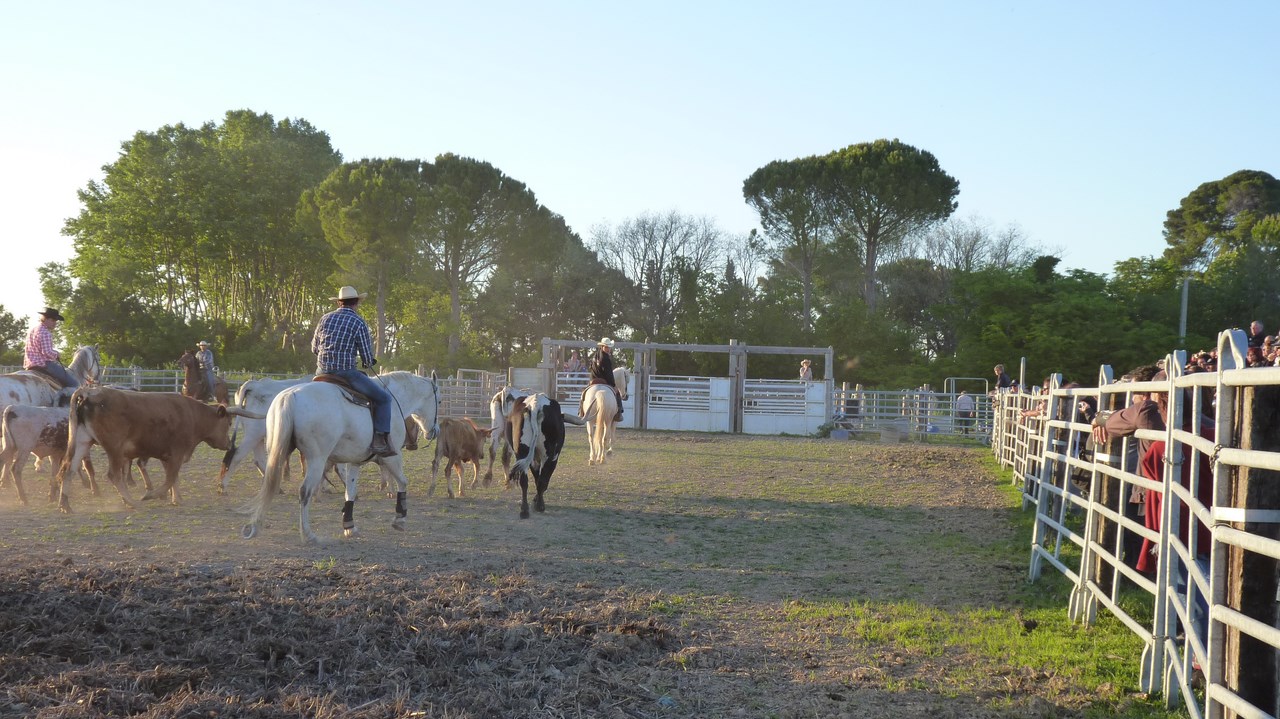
(1256, 336)
(1040, 407)
(1003, 380)
(806, 370)
(1152, 468)
(1142, 413)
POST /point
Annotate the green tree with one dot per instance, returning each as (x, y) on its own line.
(786, 194)
(199, 223)
(1218, 217)
(366, 211)
(13, 335)
(470, 216)
(875, 195)
(654, 250)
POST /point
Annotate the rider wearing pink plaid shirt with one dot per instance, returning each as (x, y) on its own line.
(39, 353)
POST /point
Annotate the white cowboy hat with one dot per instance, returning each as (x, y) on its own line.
(202, 343)
(349, 293)
(606, 342)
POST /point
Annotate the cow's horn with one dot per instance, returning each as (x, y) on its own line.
(242, 412)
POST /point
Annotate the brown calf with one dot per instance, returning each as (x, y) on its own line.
(461, 442)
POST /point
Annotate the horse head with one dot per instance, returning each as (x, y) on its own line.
(621, 378)
(86, 365)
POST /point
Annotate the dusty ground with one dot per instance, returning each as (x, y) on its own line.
(657, 586)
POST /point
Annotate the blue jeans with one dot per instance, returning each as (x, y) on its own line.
(374, 390)
(60, 373)
(1199, 605)
(210, 383)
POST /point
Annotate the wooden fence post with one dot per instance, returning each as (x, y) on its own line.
(1252, 668)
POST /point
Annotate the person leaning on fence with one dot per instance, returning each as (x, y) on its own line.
(1142, 413)
(806, 370)
(1152, 468)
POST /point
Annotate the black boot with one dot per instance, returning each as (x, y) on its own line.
(380, 446)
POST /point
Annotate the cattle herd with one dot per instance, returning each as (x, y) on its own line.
(327, 425)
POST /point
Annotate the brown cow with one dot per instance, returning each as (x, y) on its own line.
(462, 442)
(142, 425)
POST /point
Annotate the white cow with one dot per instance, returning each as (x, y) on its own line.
(249, 435)
(43, 433)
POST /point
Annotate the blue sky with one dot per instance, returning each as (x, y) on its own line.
(1082, 123)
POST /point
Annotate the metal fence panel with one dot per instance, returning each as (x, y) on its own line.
(1082, 536)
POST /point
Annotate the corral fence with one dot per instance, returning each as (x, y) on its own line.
(678, 402)
(1208, 613)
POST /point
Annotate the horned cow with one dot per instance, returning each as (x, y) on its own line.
(142, 425)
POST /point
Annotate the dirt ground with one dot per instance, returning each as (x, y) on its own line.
(656, 586)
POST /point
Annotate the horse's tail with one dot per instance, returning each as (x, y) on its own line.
(280, 444)
(7, 447)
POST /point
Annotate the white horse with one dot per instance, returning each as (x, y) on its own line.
(318, 420)
(34, 388)
(599, 407)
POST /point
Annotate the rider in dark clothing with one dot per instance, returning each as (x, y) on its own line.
(601, 369)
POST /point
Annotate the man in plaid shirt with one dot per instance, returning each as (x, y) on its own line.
(340, 337)
(40, 354)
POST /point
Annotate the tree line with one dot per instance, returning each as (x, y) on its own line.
(239, 232)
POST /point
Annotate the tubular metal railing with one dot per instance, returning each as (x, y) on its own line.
(1088, 526)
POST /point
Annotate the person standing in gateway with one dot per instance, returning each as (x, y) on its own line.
(340, 337)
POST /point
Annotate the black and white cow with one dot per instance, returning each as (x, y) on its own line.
(535, 428)
(500, 408)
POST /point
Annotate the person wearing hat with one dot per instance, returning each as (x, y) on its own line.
(340, 337)
(806, 370)
(601, 369)
(39, 353)
(204, 358)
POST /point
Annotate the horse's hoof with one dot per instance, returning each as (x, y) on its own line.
(398, 524)
(350, 533)
(148, 496)
(249, 531)
(524, 514)
(539, 507)
(313, 540)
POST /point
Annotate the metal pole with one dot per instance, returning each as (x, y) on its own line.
(1182, 323)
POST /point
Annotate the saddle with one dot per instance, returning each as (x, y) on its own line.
(351, 394)
(43, 374)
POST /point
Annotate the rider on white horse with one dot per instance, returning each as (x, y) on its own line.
(601, 369)
(39, 353)
(340, 336)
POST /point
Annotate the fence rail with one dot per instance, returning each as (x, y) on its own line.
(1201, 526)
